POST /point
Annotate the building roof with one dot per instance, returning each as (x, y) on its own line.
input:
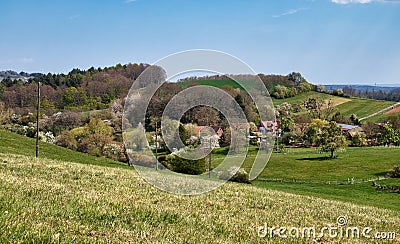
(218, 130)
(346, 127)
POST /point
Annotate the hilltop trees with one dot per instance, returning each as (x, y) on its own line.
(79, 89)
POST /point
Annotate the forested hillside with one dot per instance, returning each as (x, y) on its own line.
(79, 89)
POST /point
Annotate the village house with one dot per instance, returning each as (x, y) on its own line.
(350, 130)
(218, 130)
(271, 127)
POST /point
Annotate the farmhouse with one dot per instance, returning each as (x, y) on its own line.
(270, 126)
(346, 127)
(349, 131)
(218, 130)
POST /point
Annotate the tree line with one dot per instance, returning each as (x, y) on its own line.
(79, 89)
(393, 95)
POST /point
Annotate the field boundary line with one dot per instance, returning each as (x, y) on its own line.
(381, 111)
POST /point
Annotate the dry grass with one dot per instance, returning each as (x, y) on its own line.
(51, 201)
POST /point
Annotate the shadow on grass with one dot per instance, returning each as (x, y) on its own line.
(316, 159)
(382, 174)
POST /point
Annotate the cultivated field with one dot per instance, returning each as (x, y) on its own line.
(347, 106)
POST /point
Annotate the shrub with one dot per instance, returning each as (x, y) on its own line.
(186, 166)
(358, 140)
(114, 151)
(25, 130)
(67, 139)
(141, 160)
(235, 174)
(395, 172)
(165, 161)
(88, 145)
(47, 137)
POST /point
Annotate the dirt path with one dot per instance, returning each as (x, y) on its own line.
(381, 111)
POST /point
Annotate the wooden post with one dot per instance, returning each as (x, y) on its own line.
(209, 160)
(156, 143)
(37, 120)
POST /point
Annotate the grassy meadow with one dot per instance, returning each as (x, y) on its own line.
(215, 83)
(347, 177)
(56, 201)
(16, 144)
(347, 106)
(67, 196)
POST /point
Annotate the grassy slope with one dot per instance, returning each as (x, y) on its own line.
(17, 144)
(309, 165)
(215, 83)
(347, 106)
(299, 99)
(363, 107)
(381, 117)
(314, 175)
(52, 201)
(281, 166)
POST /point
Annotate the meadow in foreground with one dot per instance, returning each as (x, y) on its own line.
(50, 201)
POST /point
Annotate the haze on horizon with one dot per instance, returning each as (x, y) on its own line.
(328, 41)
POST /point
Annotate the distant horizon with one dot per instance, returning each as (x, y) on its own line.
(270, 73)
(198, 75)
(377, 85)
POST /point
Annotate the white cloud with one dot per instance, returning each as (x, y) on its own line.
(27, 60)
(24, 60)
(363, 1)
(130, 1)
(351, 1)
(289, 12)
(74, 17)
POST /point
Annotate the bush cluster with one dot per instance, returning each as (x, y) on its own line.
(186, 166)
(395, 172)
(235, 174)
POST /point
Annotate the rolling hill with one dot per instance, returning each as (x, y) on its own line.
(57, 201)
(346, 106)
(12, 143)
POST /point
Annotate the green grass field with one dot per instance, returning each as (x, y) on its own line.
(55, 201)
(346, 106)
(299, 99)
(17, 144)
(67, 196)
(305, 171)
(215, 83)
(381, 117)
(363, 107)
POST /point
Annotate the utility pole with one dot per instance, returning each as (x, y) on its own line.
(156, 144)
(37, 120)
(209, 160)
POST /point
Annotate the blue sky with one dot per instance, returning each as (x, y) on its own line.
(328, 41)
